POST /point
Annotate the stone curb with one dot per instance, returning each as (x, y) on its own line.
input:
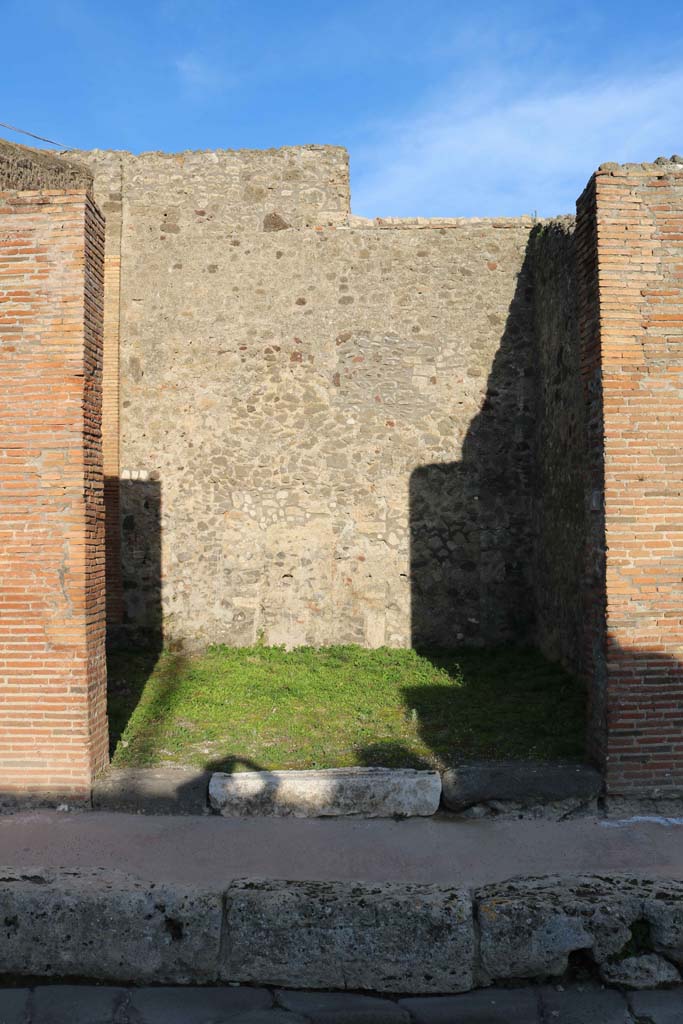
(522, 784)
(362, 792)
(400, 939)
(517, 788)
(152, 791)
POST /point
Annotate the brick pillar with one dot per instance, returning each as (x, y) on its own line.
(630, 274)
(53, 724)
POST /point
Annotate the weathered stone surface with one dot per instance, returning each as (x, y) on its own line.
(14, 1005)
(663, 911)
(386, 938)
(590, 1006)
(74, 1004)
(529, 927)
(657, 1007)
(108, 926)
(342, 1008)
(152, 790)
(553, 810)
(197, 1005)
(623, 808)
(648, 970)
(340, 415)
(524, 782)
(492, 1006)
(368, 792)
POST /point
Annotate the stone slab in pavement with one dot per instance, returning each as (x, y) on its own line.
(342, 1008)
(152, 791)
(488, 1006)
(584, 1006)
(172, 1005)
(14, 1005)
(657, 1007)
(75, 1004)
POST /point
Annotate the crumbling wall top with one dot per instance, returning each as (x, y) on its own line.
(24, 169)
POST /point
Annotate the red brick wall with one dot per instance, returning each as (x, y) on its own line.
(53, 728)
(635, 570)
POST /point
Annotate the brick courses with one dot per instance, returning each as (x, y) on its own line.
(630, 242)
(53, 727)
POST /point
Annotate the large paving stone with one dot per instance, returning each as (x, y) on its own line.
(76, 1004)
(275, 1016)
(523, 782)
(107, 926)
(590, 1006)
(529, 927)
(196, 1005)
(657, 1007)
(490, 1006)
(366, 792)
(14, 1005)
(343, 1008)
(344, 935)
(152, 791)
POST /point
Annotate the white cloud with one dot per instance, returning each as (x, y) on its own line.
(477, 151)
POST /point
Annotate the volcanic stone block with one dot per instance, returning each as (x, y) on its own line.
(344, 935)
(107, 926)
(367, 792)
(523, 782)
(529, 927)
(152, 790)
(647, 971)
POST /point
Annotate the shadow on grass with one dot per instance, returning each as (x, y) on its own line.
(509, 704)
(128, 673)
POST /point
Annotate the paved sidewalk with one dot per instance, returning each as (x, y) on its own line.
(52, 1004)
(193, 849)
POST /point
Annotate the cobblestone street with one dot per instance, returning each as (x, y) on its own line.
(68, 1004)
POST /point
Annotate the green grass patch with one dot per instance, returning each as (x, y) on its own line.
(265, 707)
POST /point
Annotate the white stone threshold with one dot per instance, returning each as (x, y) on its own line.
(332, 792)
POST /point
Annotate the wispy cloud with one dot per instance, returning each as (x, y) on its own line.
(199, 76)
(498, 149)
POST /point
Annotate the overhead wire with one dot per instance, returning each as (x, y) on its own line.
(32, 135)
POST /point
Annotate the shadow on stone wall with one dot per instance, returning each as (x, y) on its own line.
(471, 520)
(136, 641)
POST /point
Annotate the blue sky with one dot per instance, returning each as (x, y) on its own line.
(447, 108)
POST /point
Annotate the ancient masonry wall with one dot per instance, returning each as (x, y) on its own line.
(631, 302)
(326, 423)
(53, 732)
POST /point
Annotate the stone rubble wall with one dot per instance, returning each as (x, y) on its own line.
(394, 938)
(326, 423)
